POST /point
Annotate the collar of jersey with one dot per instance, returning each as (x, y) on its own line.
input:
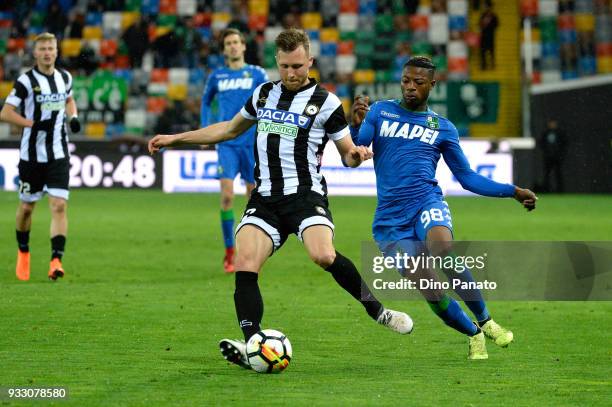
(428, 111)
(310, 84)
(44, 74)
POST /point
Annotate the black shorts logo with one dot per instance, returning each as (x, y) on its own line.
(320, 209)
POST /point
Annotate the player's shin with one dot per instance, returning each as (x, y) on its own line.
(471, 296)
(346, 275)
(248, 302)
(451, 313)
(227, 226)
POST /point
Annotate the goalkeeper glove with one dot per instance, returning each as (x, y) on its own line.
(75, 125)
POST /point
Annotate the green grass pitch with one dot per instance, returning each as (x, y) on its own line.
(145, 301)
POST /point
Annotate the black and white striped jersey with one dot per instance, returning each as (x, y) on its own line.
(42, 98)
(292, 130)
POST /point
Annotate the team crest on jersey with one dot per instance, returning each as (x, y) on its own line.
(36, 89)
(432, 122)
(246, 74)
(262, 102)
(311, 110)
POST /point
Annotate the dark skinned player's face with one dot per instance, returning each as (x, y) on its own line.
(416, 84)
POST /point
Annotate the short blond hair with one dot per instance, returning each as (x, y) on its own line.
(45, 37)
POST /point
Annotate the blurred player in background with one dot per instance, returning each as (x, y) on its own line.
(295, 118)
(44, 96)
(407, 139)
(232, 85)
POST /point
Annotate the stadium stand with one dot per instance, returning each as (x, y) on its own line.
(158, 51)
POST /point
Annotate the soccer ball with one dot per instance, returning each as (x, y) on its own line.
(269, 351)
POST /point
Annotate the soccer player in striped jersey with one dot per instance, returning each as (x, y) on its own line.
(295, 118)
(232, 85)
(408, 139)
(43, 96)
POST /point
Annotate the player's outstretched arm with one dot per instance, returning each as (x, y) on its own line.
(212, 134)
(526, 197)
(352, 155)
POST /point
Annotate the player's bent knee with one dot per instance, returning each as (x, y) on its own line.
(58, 207)
(324, 259)
(440, 248)
(26, 209)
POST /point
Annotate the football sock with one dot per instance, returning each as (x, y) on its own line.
(248, 302)
(471, 296)
(346, 275)
(227, 226)
(57, 246)
(23, 238)
(484, 321)
(451, 313)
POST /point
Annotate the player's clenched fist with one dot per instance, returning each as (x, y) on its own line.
(360, 154)
(158, 142)
(526, 197)
(359, 109)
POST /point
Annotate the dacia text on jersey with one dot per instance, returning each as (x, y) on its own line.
(52, 102)
(280, 122)
(408, 131)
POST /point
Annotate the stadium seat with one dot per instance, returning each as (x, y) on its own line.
(166, 20)
(438, 28)
(529, 8)
(585, 22)
(346, 47)
(15, 44)
(364, 76)
(156, 104)
(566, 21)
(329, 34)
(93, 19)
(128, 18)
(311, 21)
(177, 91)
(604, 64)
(259, 7)
(160, 75)
(108, 48)
(419, 22)
(167, 6)
(329, 49)
(186, 8)
(150, 7)
(95, 130)
(349, 6)
(313, 34)
(258, 22)
(5, 89)
(202, 19)
(70, 47)
(92, 33)
(550, 76)
(220, 20)
(115, 130)
(348, 22)
(548, 8)
(178, 75)
(457, 23)
(111, 24)
(345, 64)
(271, 33)
(604, 49)
(457, 7)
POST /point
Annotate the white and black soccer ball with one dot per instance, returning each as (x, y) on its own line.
(269, 351)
